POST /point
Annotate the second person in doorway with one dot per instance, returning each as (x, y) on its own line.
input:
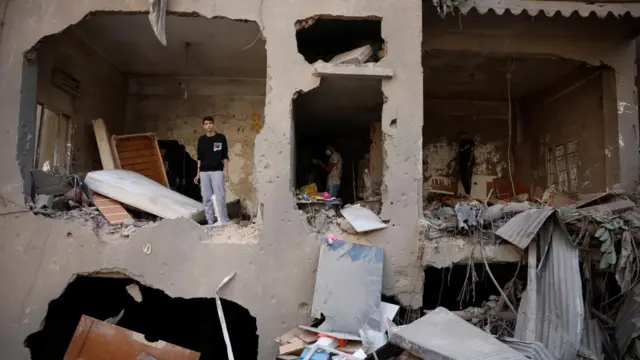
(213, 157)
(334, 170)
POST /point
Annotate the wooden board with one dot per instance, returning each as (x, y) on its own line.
(104, 145)
(95, 339)
(110, 209)
(140, 153)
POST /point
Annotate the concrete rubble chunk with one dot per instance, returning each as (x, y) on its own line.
(440, 334)
(355, 57)
(346, 269)
(44, 201)
(362, 219)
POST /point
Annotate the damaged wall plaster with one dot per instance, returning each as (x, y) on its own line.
(271, 289)
(173, 108)
(440, 138)
(565, 126)
(103, 94)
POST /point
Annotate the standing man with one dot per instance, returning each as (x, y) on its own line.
(334, 168)
(466, 161)
(212, 170)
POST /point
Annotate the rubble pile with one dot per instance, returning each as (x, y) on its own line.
(581, 297)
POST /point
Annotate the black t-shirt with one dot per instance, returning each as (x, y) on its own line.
(212, 150)
(465, 150)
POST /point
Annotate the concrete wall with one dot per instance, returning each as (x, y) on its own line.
(489, 129)
(569, 121)
(103, 94)
(274, 276)
(593, 41)
(172, 111)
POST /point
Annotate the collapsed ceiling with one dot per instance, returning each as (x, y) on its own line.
(196, 46)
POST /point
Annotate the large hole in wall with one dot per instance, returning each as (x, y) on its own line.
(533, 121)
(111, 66)
(341, 115)
(189, 323)
(459, 287)
(324, 38)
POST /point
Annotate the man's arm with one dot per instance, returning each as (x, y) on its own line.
(199, 153)
(225, 156)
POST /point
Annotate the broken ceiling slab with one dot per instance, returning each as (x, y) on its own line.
(446, 251)
(364, 71)
(362, 219)
(612, 207)
(440, 334)
(143, 193)
(348, 287)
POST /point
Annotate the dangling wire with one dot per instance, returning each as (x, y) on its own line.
(511, 65)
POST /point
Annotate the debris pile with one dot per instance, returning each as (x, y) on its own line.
(577, 296)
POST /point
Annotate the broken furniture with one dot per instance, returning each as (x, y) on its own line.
(140, 192)
(95, 339)
(140, 153)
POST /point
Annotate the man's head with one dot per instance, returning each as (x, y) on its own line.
(208, 124)
(463, 135)
(329, 149)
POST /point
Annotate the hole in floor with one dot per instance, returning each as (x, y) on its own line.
(454, 288)
(189, 323)
(325, 38)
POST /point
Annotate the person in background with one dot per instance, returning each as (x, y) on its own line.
(334, 170)
(213, 158)
(466, 161)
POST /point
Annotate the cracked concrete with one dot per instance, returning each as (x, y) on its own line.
(275, 269)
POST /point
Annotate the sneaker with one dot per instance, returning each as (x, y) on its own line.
(220, 224)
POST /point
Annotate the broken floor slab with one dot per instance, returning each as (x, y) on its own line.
(440, 334)
(447, 251)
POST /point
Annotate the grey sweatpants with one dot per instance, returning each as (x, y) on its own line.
(212, 182)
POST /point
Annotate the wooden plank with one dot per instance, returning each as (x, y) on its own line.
(138, 160)
(144, 143)
(133, 147)
(110, 209)
(104, 145)
(136, 153)
(79, 337)
(110, 342)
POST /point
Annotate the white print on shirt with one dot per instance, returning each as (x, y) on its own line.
(217, 146)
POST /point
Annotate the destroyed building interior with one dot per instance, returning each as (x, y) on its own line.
(537, 259)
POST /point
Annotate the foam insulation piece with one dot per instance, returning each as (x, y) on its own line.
(354, 57)
(138, 191)
(348, 287)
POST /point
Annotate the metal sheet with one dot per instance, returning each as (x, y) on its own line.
(550, 8)
(560, 309)
(628, 319)
(362, 219)
(348, 287)
(592, 337)
(521, 229)
(442, 335)
(530, 349)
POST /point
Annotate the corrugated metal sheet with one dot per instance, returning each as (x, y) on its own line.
(521, 229)
(628, 319)
(531, 350)
(560, 310)
(592, 337)
(550, 8)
